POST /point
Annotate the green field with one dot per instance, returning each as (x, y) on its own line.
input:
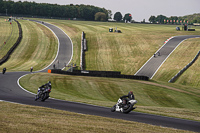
(128, 51)
(37, 49)
(169, 100)
(31, 119)
(125, 52)
(9, 33)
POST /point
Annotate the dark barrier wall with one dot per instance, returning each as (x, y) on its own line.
(6, 57)
(110, 74)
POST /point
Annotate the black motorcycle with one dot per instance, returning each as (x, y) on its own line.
(43, 94)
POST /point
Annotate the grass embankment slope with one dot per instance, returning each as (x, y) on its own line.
(23, 119)
(152, 97)
(37, 49)
(9, 33)
(183, 55)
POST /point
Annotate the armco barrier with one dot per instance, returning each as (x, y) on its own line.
(109, 74)
(6, 57)
(184, 69)
(82, 58)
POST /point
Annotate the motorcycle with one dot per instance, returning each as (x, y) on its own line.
(128, 107)
(42, 94)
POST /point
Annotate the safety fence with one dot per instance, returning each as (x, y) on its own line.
(83, 49)
(109, 74)
(6, 57)
(184, 69)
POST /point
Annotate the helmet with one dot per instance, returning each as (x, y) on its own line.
(49, 82)
(130, 93)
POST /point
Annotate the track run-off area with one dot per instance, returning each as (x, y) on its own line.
(11, 91)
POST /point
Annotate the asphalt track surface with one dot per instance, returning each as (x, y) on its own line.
(150, 68)
(10, 91)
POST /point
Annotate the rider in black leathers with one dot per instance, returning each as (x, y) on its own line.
(130, 96)
(4, 70)
(47, 85)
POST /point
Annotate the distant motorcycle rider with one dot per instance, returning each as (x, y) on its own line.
(4, 70)
(124, 99)
(43, 91)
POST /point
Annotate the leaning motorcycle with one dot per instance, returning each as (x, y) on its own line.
(43, 95)
(128, 107)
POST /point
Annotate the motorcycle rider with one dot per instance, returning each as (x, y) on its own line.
(4, 70)
(124, 99)
(47, 85)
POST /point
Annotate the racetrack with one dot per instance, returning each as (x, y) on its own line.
(10, 91)
(150, 68)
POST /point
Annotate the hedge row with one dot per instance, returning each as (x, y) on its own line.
(110, 74)
(6, 57)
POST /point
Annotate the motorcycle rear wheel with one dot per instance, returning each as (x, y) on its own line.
(128, 109)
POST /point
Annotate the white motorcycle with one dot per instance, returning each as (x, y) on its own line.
(128, 107)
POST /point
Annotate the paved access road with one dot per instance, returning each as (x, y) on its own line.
(10, 91)
(154, 63)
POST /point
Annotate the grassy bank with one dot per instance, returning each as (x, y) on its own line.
(183, 55)
(37, 49)
(152, 97)
(22, 119)
(9, 34)
(128, 51)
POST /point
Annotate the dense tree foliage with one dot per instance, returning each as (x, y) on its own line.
(118, 16)
(152, 19)
(86, 12)
(127, 17)
(100, 16)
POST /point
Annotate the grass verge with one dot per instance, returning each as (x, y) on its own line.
(9, 34)
(23, 118)
(152, 97)
(37, 49)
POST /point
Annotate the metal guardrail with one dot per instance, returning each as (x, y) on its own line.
(83, 49)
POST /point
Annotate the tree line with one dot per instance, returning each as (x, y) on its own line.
(118, 17)
(161, 19)
(86, 12)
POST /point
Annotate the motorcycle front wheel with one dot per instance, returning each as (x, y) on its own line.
(113, 108)
(43, 97)
(36, 97)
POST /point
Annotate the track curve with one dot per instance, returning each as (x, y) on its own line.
(10, 91)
